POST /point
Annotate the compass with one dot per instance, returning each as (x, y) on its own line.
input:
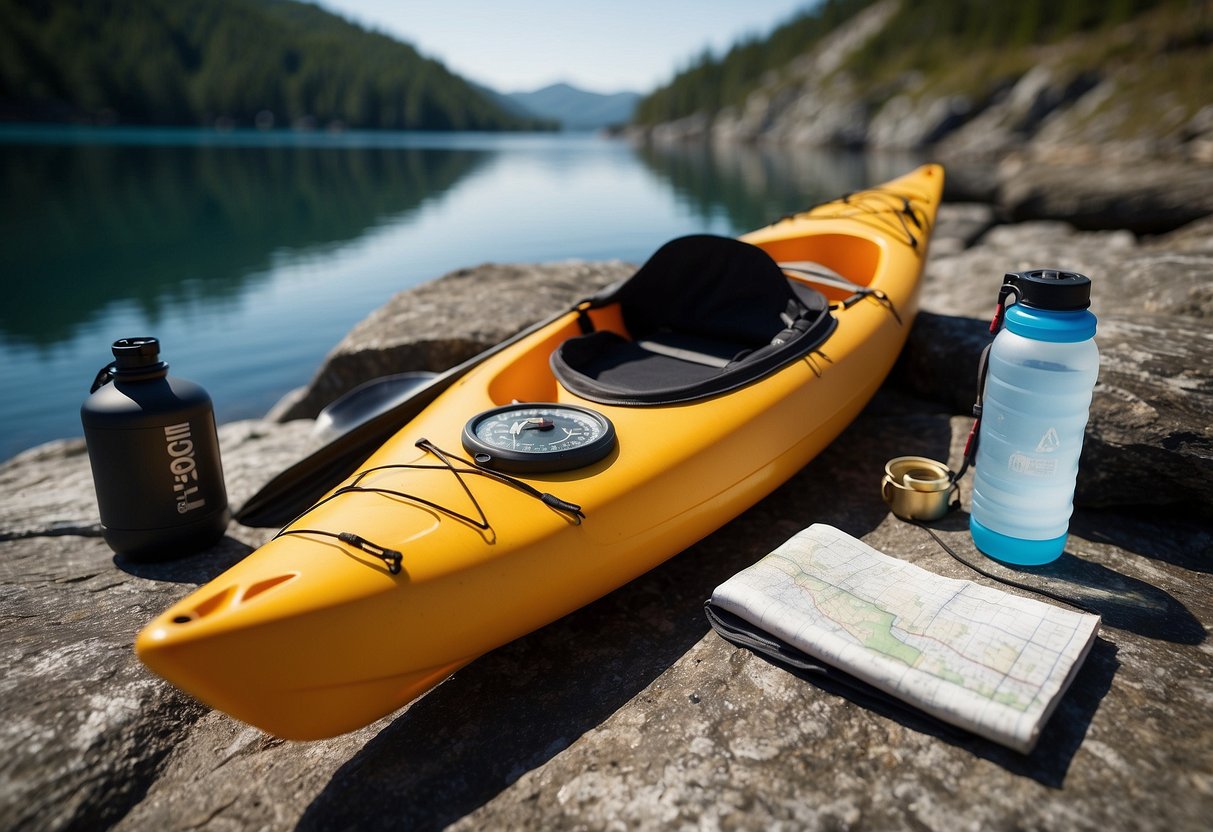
(538, 437)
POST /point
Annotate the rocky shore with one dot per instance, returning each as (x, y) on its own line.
(631, 712)
(1121, 96)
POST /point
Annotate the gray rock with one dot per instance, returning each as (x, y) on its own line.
(438, 324)
(1100, 144)
(723, 739)
(280, 411)
(1145, 198)
(1068, 107)
(1149, 440)
(1148, 197)
(811, 102)
(958, 226)
(1041, 110)
(819, 118)
(630, 712)
(86, 727)
(692, 128)
(49, 489)
(905, 122)
(1160, 278)
(1193, 238)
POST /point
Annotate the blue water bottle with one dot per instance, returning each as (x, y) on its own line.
(1040, 375)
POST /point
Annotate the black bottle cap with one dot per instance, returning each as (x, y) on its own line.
(137, 355)
(1052, 289)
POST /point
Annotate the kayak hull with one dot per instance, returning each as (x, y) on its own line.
(309, 637)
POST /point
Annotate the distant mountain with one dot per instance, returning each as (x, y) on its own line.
(574, 108)
(225, 62)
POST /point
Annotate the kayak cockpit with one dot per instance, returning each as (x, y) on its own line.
(704, 315)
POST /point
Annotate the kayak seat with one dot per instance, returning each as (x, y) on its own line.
(705, 315)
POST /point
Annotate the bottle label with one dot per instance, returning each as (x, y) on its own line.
(182, 467)
(1021, 463)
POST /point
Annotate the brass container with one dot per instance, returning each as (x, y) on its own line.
(917, 488)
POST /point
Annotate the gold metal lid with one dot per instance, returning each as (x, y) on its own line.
(917, 488)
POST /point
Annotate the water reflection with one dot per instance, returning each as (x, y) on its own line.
(161, 227)
(250, 255)
(752, 185)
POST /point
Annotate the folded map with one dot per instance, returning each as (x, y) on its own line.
(976, 657)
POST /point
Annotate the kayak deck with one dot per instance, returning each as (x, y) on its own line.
(311, 636)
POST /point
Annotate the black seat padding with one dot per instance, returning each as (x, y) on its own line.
(706, 315)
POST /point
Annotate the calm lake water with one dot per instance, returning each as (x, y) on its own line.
(250, 254)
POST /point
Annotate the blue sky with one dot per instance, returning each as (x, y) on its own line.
(605, 46)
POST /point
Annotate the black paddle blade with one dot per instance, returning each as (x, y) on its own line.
(287, 495)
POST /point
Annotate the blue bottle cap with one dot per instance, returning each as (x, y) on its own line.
(1049, 325)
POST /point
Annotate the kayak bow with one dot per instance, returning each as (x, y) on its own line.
(433, 553)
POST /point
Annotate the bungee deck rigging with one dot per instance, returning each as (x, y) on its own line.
(709, 407)
(394, 558)
(903, 209)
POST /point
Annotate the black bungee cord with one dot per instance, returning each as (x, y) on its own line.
(392, 557)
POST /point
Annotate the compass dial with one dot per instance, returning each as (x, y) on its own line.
(535, 437)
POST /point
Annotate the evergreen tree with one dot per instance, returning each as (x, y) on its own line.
(196, 62)
(923, 35)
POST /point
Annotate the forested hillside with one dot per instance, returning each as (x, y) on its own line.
(927, 37)
(1117, 80)
(202, 62)
(712, 83)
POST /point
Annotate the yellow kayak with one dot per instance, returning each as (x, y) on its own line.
(562, 467)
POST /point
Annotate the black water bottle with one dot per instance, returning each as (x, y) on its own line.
(155, 456)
